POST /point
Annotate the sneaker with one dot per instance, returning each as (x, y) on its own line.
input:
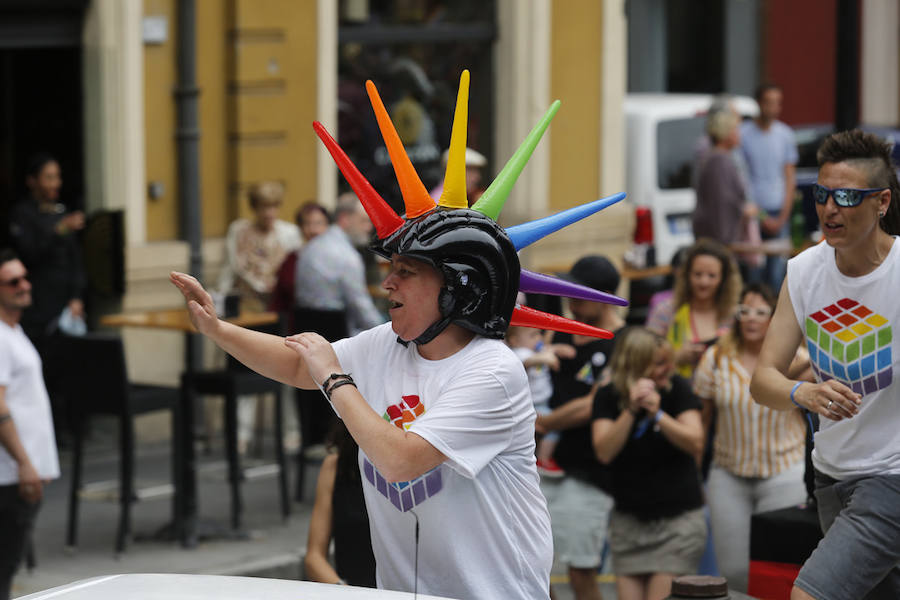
(549, 468)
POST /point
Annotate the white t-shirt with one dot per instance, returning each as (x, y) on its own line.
(539, 381)
(484, 529)
(26, 396)
(848, 323)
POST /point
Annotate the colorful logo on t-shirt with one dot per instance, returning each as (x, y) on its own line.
(850, 342)
(406, 494)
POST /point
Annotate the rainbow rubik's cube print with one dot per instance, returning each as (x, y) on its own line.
(850, 342)
(404, 495)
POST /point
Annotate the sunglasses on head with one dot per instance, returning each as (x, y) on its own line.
(845, 197)
(745, 312)
(14, 282)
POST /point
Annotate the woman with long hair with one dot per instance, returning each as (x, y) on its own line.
(647, 427)
(758, 452)
(840, 299)
(707, 285)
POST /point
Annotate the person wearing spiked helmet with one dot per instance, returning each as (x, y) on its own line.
(439, 405)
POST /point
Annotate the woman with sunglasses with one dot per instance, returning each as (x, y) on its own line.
(840, 298)
(758, 453)
(647, 428)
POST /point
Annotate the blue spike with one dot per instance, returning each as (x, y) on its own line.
(528, 233)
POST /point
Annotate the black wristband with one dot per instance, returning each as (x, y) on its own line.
(5, 417)
(335, 376)
(338, 384)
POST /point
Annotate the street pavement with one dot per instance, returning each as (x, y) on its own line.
(267, 547)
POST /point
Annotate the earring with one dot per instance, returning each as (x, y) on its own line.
(881, 214)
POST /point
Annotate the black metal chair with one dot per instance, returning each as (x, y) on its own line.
(313, 410)
(233, 381)
(96, 380)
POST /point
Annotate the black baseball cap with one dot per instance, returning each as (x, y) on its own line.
(594, 271)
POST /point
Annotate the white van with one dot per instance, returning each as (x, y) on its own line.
(661, 137)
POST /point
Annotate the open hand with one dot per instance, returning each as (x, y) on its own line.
(200, 304)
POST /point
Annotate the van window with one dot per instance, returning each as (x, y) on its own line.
(676, 144)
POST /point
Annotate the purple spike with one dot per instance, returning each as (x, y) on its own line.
(527, 233)
(538, 283)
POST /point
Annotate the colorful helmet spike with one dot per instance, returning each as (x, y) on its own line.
(454, 194)
(415, 196)
(493, 198)
(527, 233)
(538, 283)
(476, 256)
(522, 316)
(383, 217)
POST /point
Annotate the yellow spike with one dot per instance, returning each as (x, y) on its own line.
(454, 194)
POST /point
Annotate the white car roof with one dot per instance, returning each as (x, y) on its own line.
(146, 586)
(670, 106)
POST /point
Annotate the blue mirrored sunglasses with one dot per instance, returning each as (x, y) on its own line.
(846, 197)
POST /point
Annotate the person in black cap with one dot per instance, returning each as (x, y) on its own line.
(580, 502)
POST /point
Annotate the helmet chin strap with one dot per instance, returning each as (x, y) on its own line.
(446, 304)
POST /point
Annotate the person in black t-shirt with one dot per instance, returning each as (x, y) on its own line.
(579, 502)
(647, 427)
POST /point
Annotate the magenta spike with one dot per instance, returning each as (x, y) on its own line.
(538, 283)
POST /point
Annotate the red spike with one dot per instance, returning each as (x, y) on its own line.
(523, 316)
(385, 220)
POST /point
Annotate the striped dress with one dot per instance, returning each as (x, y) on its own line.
(751, 440)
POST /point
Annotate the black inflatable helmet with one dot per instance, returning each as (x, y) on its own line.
(477, 260)
(476, 256)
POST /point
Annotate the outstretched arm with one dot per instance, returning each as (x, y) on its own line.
(264, 353)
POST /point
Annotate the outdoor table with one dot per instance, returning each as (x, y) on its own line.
(185, 523)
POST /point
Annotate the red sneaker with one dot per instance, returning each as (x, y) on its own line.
(549, 468)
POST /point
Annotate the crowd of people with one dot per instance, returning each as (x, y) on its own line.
(462, 465)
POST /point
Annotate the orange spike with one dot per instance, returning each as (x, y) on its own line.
(522, 316)
(383, 217)
(454, 194)
(415, 196)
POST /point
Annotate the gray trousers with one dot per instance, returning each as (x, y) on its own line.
(860, 553)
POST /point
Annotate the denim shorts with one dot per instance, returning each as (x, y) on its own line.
(860, 553)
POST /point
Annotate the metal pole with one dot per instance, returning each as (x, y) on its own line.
(846, 106)
(188, 141)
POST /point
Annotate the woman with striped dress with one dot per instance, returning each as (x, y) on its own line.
(758, 452)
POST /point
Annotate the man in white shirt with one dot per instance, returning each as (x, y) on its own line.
(28, 456)
(330, 272)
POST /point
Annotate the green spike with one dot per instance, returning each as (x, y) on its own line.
(492, 200)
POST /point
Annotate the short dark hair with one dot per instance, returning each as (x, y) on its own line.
(872, 155)
(36, 163)
(762, 88)
(6, 255)
(307, 209)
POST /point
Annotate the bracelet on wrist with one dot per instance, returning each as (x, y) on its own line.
(5, 417)
(793, 390)
(334, 376)
(341, 379)
(658, 415)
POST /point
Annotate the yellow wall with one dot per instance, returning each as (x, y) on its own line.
(272, 100)
(576, 75)
(159, 125)
(256, 70)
